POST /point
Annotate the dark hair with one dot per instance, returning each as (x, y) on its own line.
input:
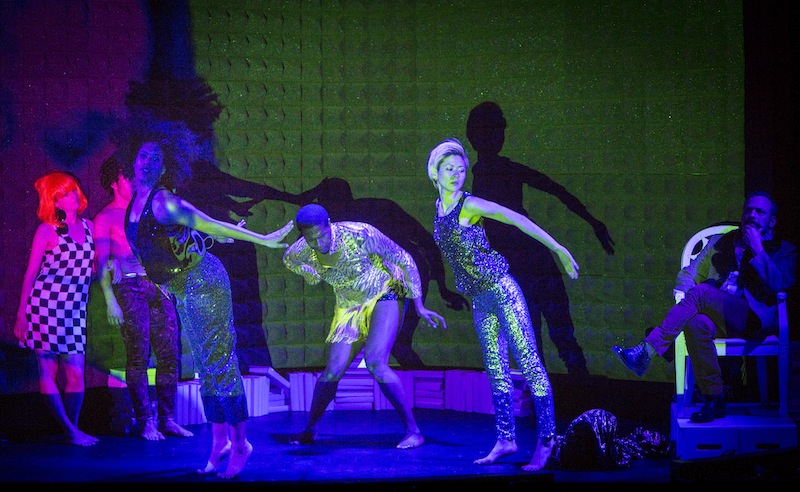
(311, 215)
(109, 173)
(164, 98)
(179, 145)
(766, 195)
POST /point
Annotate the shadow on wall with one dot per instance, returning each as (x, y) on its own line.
(499, 179)
(211, 190)
(336, 196)
(172, 90)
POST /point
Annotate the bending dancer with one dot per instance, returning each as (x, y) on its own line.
(498, 306)
(164, 233)
(136, 306)
(728, 291)
(51, 318)
(372, 278)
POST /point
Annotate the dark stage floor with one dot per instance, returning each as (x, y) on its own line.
(354, 449)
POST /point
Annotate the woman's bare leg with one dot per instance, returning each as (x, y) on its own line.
(501, 448)
(241, 449)
(74, 386)
(220, 447)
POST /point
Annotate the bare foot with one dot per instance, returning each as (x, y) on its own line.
(501, 448)
(150, 432)
(540, 455)
(80, 438)
(171, 428)
(412, 440)
(237, 461)
(217, 455)
(303, 437)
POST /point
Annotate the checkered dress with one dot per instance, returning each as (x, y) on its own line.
(57, 305)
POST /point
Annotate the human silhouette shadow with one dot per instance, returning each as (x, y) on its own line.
(172, 90)
(499, 179)
(212, 190)
(336, 196)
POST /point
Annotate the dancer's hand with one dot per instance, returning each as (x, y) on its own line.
(21, 328)
(275, 239)
(227, 240)
(432, 318)
(569, 263)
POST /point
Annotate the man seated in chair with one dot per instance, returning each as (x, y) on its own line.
(730, 291)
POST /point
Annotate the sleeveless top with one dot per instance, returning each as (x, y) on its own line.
(163, 250)
(56, 308)
(476, 266)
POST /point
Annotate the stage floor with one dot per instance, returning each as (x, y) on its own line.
(354, 449)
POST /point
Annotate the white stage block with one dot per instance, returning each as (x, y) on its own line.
(188, 404)
(256, 389)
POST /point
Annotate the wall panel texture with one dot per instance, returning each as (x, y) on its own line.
(635, 108)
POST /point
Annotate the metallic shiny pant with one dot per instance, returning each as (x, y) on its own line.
(203, 299)
(502, 322)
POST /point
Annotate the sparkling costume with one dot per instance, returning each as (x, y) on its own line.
(57, 305)
(370, 267)
(501, 317)
(591, 442)
(203, 299)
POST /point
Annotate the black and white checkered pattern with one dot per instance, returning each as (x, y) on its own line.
(57, 305)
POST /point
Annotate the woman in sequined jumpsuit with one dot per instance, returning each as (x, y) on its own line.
(501, 315)
(160, 156)
(372, 278)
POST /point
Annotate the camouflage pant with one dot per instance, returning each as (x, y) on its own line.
(150, 322)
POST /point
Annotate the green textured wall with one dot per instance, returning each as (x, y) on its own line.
(635, 107)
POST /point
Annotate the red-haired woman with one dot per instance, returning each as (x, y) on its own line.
(51, 318)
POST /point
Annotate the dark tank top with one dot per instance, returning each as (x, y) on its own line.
(476, 266)
(163, 250)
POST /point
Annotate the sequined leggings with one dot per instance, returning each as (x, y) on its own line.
(203, 299)
(501, 316)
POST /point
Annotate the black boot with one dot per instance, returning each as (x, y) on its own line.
(713, 408)
(636, 358)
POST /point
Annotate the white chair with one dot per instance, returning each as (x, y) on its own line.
(772, 346)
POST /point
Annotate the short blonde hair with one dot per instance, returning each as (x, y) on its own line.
(446, 148)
